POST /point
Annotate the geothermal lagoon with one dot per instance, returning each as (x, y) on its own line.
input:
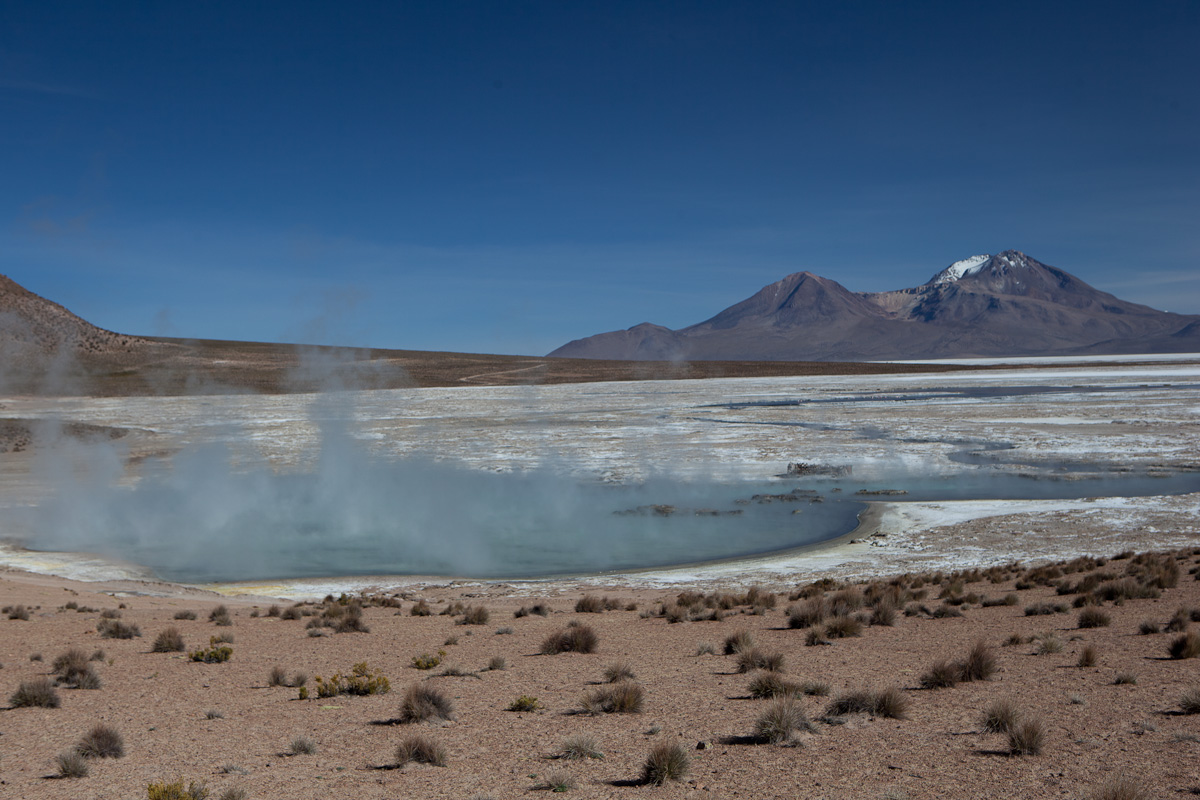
(588, 480)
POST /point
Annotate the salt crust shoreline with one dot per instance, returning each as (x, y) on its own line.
(890, 538)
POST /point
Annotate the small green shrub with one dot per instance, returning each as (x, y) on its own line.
(176, 791)
(362, 681)
(216, 653)
(524, 703)
(426, 661)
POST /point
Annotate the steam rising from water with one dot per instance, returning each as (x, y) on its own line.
(212, 515)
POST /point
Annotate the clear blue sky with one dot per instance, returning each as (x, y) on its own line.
(507, 176)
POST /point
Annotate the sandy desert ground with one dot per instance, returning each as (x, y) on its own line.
(224, 725)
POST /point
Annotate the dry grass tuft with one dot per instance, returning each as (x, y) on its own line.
(1190, 702)
(72, 765)
(422, 702)
(1120, 788)
(889, 702)
(169, 641)
(941, 675)
(421, 749)
(101, 742)
(1186, 645)
(302, 746)
(1087, 657)
(618, 698)
(668, 761)
(577, 748)
(1092, 617)
(754, 658)
(36, 693)
(737, 642)
(619, 671)
(1027, 738)
(1000, 716)
(572, 639)
(781, 719)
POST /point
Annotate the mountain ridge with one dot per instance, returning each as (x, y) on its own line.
(1005, 304)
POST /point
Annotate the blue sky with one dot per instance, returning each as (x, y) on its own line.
(507, 176)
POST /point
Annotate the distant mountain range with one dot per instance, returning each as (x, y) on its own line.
(989, 305)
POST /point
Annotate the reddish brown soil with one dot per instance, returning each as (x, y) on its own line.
(1095, 730)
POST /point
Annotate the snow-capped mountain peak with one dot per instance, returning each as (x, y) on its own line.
(961, 268)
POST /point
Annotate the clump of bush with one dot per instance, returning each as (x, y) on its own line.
(882, 703)
(220, 616)
(426, 661)
(1087, 657)
(422, 702)
(781, 719)
(362, 680)
(840, 627)
(115, 629)
(524, 703)
(421, 749)
(216, 653)
(574, 638)
(619, 698)
(619, 671)
(1093, 617)
(558, 780)
(36, 693)
(17, 612)
(302, 746)
(737, 642)
(754, 658)
(475, 615)
(1026, 738)
(1000, 716)
(72, 765)
(162, 790)
(101, 741)
(979, 665)
(1186, 645)
(169, 641)
(73, 670)
(1120, 788)
(668, 761)
(541, 609)
(185, 615)
(577, 748)
(1190, 702)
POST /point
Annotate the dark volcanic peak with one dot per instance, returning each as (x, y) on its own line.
(985, 305)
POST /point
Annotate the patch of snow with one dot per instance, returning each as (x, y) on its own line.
(960, 268)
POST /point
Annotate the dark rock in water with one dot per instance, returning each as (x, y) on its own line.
(881, 492)
(800, 469)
